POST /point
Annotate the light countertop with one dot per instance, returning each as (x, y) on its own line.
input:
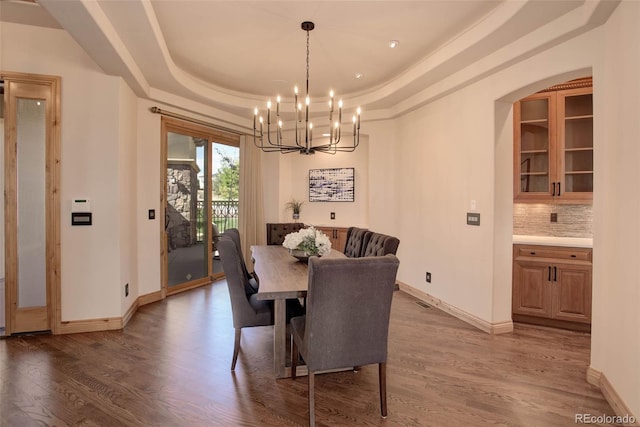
(574, 242)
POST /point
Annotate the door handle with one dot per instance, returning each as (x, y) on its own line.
(555, 274)
(549, 279)
(554, 189)
(558, 189)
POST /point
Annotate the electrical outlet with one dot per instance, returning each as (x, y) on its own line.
(126, 290)
(554, 217)
(333, 215)
(428, 277)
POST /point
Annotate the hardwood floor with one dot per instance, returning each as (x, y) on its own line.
(170, 367)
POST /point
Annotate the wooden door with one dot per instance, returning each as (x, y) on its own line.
(32, 235)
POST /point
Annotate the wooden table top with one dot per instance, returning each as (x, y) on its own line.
(281, 276)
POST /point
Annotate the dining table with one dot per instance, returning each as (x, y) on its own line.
(281, 276)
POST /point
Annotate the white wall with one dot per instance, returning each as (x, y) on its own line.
(293, 182)
(615, 337)
(148, 189)
(127, 159)
(90, 261)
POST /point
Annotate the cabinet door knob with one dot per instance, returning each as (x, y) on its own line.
(532, 253)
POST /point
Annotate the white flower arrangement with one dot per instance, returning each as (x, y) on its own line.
(308, 240)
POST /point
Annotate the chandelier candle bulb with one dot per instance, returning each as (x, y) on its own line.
(306, 108)
(331, 100)
(269, 112)
(278, 106)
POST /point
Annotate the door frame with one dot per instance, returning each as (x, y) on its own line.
(52, 198)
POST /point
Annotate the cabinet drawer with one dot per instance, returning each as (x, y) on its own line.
(555, 252)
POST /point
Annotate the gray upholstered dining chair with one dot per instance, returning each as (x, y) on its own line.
(247, 309)
(380, 244)
(347, 319)
(357, 239)
(277, 231)
(234, 233)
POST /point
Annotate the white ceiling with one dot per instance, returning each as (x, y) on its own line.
(233, 55)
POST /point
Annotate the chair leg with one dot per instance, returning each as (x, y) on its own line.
(312, 412)
(236, 349)
(294, 358)
(382, 377)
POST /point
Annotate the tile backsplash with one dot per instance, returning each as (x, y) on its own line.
(535, 220)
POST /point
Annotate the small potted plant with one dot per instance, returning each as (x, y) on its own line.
(295, 206)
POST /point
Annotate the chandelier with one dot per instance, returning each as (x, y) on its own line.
(303, 127)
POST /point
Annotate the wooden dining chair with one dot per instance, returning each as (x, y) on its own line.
(347, 318)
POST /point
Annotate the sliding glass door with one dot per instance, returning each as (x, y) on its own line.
(200, 193)
(186, 189)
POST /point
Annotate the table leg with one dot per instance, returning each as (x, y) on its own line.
(280, 338)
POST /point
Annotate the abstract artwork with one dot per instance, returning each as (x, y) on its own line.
(331, 185)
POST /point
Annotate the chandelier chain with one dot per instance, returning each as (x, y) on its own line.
(307, 93)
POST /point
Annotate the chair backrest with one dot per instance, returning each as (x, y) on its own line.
(243, 313)
(348, 308)
(380, 245)
(235, 236)
(277, 231)
(357, 239)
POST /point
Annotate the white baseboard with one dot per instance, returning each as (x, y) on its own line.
(598, 379)
(504, 327)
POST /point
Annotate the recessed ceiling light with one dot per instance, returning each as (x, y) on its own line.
(358, 75)
(393, 44)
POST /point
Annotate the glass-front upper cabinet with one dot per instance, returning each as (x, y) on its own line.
(553, 145)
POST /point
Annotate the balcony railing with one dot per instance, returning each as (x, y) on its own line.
(224, 216)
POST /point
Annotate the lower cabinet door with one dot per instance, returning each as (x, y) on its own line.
(571, 288)
(531, 290)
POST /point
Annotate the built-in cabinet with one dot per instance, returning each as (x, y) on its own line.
(553, 145)
(552, 286)
(337, 235)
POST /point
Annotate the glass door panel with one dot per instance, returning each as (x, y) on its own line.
(31, 138)
(535, 146)
(187, 234)
(578, 143)
(225, 192)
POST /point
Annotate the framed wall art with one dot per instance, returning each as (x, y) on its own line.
(332, 185)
